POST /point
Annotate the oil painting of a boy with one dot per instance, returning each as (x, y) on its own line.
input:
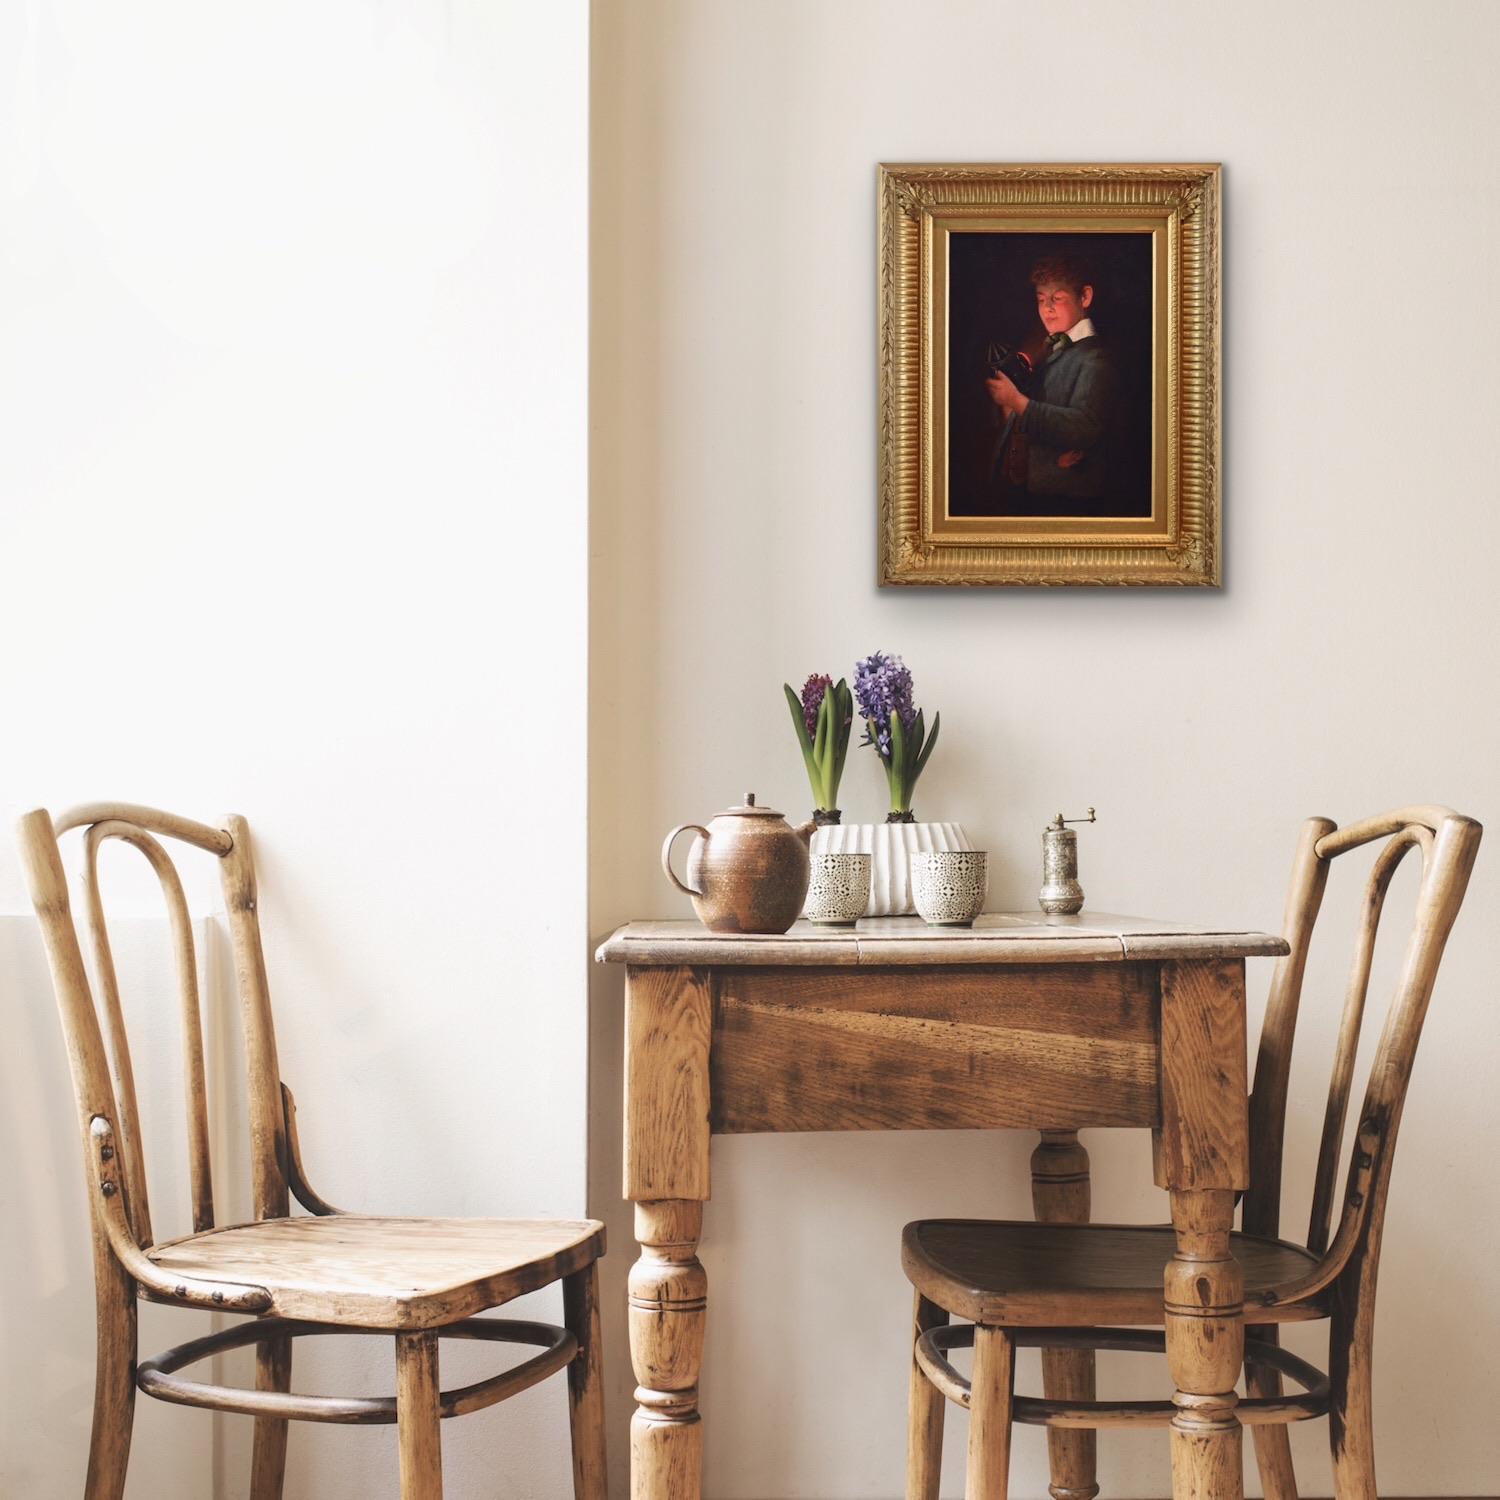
(1055, 418)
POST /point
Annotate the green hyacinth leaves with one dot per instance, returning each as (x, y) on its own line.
(821, 717)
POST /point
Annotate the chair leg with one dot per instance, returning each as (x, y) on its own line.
(273, 1372)
(1354, 1456)
(925, 1410)
(1060, 1194)
(114, 1382)
(418, 1416)
(1273, 1445)
(991, 1388)
(1351, 1432)
(1072, 1452)
(586, 1383)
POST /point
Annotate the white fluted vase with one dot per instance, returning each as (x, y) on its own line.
(890, 847)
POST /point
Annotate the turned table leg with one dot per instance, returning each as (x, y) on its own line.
(668, 1021)
(667, 1314)
(1201, 1158)
(1060, 1195)
(1205, 1347)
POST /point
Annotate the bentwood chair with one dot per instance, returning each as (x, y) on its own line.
(1080, 1286)
(419, 1280)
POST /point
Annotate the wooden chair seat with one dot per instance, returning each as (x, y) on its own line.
(386, 1273)
(1022, 1274)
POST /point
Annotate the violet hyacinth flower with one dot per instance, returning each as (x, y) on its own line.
(883, 686)
(894, 725)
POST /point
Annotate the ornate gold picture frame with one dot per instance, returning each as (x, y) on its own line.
(1049, 374)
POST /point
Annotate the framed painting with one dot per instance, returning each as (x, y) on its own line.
(1049, 375)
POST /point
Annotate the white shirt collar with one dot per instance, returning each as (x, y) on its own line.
(1082, 329)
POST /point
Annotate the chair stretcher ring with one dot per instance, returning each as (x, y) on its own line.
(156, 1377)
(931, 1354)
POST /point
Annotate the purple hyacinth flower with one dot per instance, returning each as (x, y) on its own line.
(813, 692)
(882, 687)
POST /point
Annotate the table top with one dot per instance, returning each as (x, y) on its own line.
(1026, 937)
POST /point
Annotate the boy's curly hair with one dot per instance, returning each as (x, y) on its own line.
(1062, 270)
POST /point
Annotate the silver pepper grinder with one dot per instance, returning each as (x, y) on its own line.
(1061, 894)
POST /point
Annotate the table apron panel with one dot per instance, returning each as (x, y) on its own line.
(956, 1048)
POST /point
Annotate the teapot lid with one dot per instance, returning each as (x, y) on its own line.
(748, 809)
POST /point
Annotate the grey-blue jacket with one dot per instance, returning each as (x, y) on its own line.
(1072, 408)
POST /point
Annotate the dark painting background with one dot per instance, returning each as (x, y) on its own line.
(990, 298)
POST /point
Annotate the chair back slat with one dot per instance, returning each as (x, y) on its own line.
(88, 1059)
(98, 1047)
(1445, 878)
(127, 1124)
(1449, 843)
(1351, 1023)
(185, 958)
(1273, 1064)
(268, 1160)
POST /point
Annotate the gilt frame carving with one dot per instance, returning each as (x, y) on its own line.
(920, 542)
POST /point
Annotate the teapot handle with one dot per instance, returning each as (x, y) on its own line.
(666, 855)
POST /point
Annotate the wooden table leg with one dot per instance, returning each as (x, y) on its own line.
(1202, 1156)
(1060, 1195)
(668, 1021)
(1205, 1347)
(668, 1309)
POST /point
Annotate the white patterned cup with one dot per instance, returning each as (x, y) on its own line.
(890, 847)
(949, 886)
(839, 890)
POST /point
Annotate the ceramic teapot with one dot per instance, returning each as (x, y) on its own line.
(747, 871)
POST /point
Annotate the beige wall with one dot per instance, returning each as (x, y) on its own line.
(1347, 665)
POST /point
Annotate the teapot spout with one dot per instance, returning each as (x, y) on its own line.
(805, 831)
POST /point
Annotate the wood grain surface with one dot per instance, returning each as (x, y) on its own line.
(386, 1273)
(969, 1048)
(1024, 1274)
(1204, 1139)
(668, 1022)
(995, 938)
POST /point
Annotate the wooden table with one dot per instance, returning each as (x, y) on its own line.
(1048, 1023)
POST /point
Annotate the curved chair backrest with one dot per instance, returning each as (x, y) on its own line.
(1447, 842)
(98, 1048)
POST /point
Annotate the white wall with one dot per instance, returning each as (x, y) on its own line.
(294, 524)
(1345, 667)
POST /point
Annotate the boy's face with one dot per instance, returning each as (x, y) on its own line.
(1060, 307)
